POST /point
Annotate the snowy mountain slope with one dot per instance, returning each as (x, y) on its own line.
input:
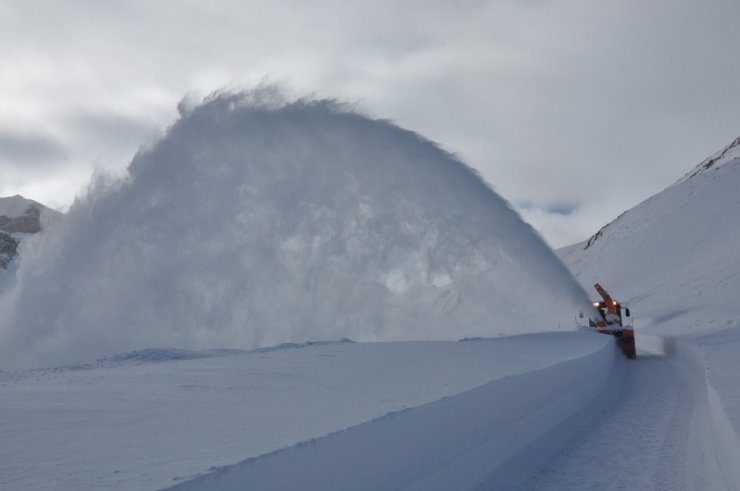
(15, 206)
(257, 221)
(675, 258)
(417, 410)
(727, 154)
(21, 220)
(22, 215)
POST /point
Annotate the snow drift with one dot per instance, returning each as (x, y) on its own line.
(257, 221)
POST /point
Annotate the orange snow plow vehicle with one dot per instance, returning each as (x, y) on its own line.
(611, 322)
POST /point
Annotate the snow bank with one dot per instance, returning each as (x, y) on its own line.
(150, 425)
(716, 355)
(719, 416)
(726, 438)
(257, 221)
(453, 443)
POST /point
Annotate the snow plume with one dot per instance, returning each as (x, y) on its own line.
(256, 220)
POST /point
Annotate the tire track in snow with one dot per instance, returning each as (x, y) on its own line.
(671, 468)
(633, 437)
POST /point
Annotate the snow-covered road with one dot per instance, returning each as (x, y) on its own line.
(650, 430)
(650, 427)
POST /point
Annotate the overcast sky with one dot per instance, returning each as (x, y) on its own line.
(573, 110)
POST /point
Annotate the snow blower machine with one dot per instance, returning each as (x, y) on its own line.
(611, 322)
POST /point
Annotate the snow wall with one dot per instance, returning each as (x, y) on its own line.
(256, 220)
(458, 442)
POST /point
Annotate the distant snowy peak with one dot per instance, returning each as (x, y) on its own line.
(19, 216)
(13, 206)
(591, 240)
(724, 156)
(17, 207)
(730, 152)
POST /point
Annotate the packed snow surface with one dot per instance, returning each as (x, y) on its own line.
(153, 419)
(675, 260)
(652, 429)
(257, 221)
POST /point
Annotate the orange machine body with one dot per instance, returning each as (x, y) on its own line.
(611, 322)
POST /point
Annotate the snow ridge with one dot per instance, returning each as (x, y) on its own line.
(728, 153)
(724, 156)
(157, 355)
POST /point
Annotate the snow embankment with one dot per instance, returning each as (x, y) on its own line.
(715, 358)
(452, 443)
(395, 413)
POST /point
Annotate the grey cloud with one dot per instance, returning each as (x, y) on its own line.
(30, 150)
(562, 208)
(557, 208)
(597, 103)
(111, 131)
